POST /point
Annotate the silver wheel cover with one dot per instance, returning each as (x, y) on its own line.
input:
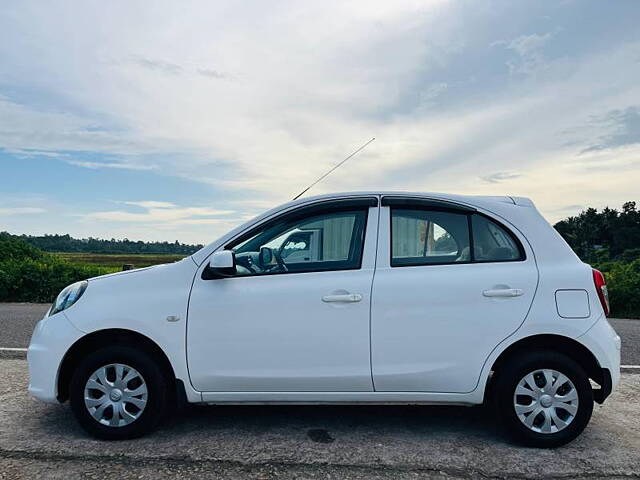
(115, 395)
(546, 401)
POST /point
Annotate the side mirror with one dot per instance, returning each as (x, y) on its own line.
(222, 265)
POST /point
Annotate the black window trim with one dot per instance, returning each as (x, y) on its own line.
(406, 203)
(426, 204)
(317, 208)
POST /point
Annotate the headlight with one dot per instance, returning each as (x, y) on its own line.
(68, 297)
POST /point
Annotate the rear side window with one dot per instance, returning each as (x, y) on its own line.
(424, 237)
(491, 242)
(434, 237)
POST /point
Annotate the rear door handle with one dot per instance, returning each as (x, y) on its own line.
(504, 292)
(344, 298)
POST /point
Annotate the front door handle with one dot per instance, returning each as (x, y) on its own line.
(344, 298)
(504, 292)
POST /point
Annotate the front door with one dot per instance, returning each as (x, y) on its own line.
(295, 317)
(451, 284)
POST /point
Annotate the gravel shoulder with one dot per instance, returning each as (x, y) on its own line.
(310, 442)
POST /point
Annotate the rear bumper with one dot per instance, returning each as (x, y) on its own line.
(606, 387)
(51, 339)
(603, 341)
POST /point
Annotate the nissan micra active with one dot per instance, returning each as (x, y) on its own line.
(388, 298)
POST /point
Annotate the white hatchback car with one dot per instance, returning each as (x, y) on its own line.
(403, 298)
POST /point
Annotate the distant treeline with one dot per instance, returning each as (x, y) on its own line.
(606, 235)
(66, 243)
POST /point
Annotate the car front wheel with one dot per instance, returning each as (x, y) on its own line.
(118, 393)
(544, 398)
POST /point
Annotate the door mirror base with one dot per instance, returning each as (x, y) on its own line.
(210, 273)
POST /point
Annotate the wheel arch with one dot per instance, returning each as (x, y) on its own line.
(102, 338)
(557, 343)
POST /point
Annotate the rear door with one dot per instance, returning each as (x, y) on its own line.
(450, 284)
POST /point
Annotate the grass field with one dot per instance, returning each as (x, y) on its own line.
(116, 260)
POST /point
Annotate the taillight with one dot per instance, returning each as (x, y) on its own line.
(601, 288)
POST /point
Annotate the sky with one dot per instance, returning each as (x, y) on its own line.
(179, 120)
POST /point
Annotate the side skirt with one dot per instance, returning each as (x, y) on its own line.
(341, 398)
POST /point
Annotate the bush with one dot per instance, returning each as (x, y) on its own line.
(30, 275)
(623, 282)
(12, 248)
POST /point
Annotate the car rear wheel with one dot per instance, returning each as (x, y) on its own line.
(544, 399)
(118, 393)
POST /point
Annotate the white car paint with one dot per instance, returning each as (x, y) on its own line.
(423, 334)
(274, 332)
(432, 327)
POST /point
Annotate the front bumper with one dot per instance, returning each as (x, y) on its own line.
(51, 339)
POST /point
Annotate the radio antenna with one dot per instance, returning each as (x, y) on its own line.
(334, 168)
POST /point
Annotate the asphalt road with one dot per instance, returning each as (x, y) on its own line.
(17, 321)
(267, 442)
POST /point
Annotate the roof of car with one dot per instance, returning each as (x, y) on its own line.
(448, 196)
(466, 199)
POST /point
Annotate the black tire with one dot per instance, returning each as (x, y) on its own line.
(515, 369)
(157, 391)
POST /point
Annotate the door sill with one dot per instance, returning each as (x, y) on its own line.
(340, 398)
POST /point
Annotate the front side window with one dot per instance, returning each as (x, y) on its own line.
(424, 237)
(327, 241)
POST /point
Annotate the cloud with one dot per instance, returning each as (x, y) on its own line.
(157, 65)
(162, 66)
(151, 204)
(318, 81)
(20, 153)
(529, 50)
(567, 209)
(118, 165)
(215, 74)
(625, 127)
(32, 131)
(291, 106)
(500, 177)
(432, 92)
(21, 210)
(159, 212)
(529, 45)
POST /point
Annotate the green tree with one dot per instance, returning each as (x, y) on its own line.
(610, 241)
